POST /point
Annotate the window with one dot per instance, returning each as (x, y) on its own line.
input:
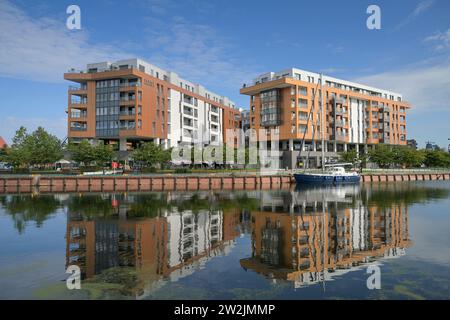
(302, 103)
(302, 115)
(303, 91)
(301, 128)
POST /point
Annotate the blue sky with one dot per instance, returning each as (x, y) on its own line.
(222, 44)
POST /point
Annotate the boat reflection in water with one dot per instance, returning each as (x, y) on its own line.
(324, 233)
(302, 236)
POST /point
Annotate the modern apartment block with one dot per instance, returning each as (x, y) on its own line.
(297, 104)
(130, 101)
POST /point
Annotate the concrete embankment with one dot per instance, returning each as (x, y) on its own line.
(130, 183)
(50, 184)
(393, 177)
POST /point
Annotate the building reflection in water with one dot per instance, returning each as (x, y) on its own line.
(169, 246)
(301, 236)
(318, 234)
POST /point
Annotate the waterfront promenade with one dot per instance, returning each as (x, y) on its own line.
(183, 182)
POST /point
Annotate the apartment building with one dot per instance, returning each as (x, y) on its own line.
(301, 106)
(130, 101)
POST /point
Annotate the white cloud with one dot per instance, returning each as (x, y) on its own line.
(42, 49)
(440, 40)
(56, 126)
(421, 7)
(198, 53)
(332, 70)
(426, 87)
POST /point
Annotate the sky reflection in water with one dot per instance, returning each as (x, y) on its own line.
(286, 244)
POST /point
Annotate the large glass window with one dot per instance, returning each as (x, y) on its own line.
(107, 105)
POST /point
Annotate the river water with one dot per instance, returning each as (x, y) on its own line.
(380, 241)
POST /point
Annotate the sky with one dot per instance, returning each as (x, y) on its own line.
(223, 44)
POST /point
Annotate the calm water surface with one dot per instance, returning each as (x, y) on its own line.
(297, 244)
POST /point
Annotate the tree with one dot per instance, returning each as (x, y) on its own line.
(102, 153)
(82, 152)
(43, 148)
(86, 153)
(3, 153)
(382, 155)
(18, 154)
(436, 158)
(408, 157)
(349, 156)
(151, 154)
(36, 149)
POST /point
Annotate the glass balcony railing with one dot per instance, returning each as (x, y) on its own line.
(77, 88)
(127, 99)
(129, 126)
(77, 115)
(130, 84)
(80, 101)
(78, 127)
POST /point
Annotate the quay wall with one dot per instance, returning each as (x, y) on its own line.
(396, 177)
(50, 184)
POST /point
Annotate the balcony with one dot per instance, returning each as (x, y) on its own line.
(128, 101)
(340, 136)
(188, 123)
(78, 126)
(78, 114)
(340, 123)
(340, 112)
(78, 90)
(79, 101)
(127, 112)
(125, 86)
(270, 123)
(188, 112)
(127, 125)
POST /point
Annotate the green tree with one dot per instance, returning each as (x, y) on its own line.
(18, 154)
(103, 153)
(151, 154)
(36, 149)
(437, 158)
(382, 155)
(3, 153)
(82, 152)
(408, 157)
(44, 148)
(349, 156)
